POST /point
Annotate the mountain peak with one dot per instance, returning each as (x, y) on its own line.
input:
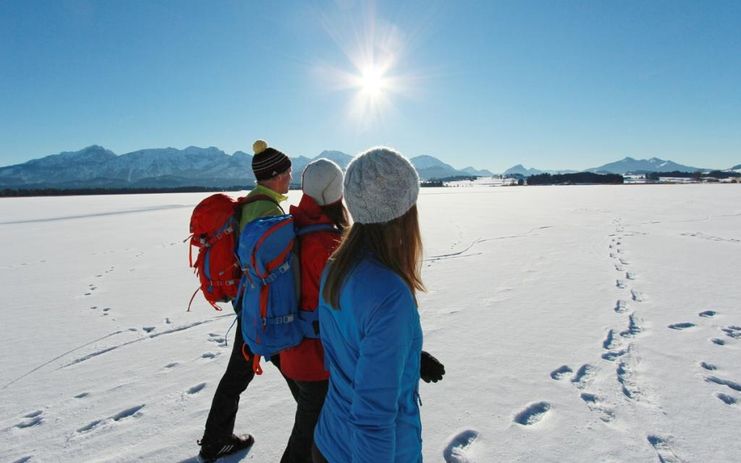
(342, 159)
(654, 164)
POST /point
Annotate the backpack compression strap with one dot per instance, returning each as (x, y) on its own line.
(317, 227)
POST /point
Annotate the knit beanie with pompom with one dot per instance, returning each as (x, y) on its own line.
(380, 185)
(268, 162)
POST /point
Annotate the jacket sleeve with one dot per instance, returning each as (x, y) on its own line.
(315, 251)
(383, 351)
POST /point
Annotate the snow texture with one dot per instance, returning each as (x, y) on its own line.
(547, 358)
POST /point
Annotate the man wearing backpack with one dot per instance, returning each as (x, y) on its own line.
(272, 171)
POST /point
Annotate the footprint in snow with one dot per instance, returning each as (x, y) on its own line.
(633, 328)
(630, 275)
(172, 364)
(209, 355)
(583, 375)
(532, 414)
(25, 459)
(663, 449)
(196, 389)
(89, 427)
(560, 372)
(732, 331)
(621, 306)
(32, 419)
(724, 382)
(681, 326)
(149, 329)
(636, 295)
(708, 366)
(610, 341)
(619, 268)
(708, 314)
(620, 284)
(458, 449)
(82, 395)
(132, 412)
(597, 405)
(625, 378)
(728, 400)
(614, 354)
(718, 341)
(129, 412)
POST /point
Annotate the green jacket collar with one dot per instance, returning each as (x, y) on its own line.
(263, 190)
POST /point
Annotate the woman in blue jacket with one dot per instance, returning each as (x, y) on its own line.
(368, 318)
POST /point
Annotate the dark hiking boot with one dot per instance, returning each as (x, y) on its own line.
(212, 450)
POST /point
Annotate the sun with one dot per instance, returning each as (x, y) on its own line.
(371, 75)
(372, 82)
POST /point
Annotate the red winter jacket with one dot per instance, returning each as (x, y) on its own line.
(305, 362)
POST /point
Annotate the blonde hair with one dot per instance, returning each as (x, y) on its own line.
(397, 244)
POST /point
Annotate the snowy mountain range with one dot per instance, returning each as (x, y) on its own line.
(643, 165)
(519, 169)
(98, 167)
(624, 166)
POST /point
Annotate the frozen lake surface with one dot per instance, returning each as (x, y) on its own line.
(576, 324)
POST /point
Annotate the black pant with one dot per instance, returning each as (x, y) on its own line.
(317, 456)
(238, 375)
(309, 396)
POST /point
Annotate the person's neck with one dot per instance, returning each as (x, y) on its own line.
(270, 186)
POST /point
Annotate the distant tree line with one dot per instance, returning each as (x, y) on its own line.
(694, 175)
(22, 192)
(575, 178)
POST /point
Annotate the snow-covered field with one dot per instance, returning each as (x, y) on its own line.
(576, 324)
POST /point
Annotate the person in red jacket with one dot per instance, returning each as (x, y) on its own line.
(321, 203)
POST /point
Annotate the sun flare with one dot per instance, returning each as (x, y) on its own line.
(371, 76)
(372, 81)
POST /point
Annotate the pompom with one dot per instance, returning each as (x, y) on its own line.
(259, 146)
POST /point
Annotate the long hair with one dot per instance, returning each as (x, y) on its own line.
(396, 244)
(337, 213)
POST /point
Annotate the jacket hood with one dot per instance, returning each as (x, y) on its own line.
(308, 212)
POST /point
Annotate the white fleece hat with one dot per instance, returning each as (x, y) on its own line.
(322, 180)
(380, 185)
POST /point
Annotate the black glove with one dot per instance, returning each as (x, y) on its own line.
(430, 368)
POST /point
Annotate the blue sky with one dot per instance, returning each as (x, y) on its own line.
(550, 84)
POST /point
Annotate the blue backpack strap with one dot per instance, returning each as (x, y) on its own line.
(317, 227)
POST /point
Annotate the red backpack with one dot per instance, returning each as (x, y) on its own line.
(214, 228)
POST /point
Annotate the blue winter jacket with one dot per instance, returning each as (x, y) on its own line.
(372, 349)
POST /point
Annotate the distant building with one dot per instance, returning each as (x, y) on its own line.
(677, 180)
(635, 178)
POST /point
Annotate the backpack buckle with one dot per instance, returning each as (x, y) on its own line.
(283, 320)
